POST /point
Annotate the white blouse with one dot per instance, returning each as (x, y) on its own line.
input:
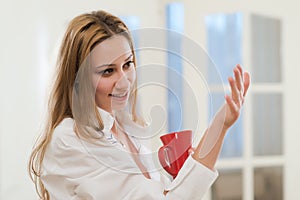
(76, 169)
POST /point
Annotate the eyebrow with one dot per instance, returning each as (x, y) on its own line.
(111, 65)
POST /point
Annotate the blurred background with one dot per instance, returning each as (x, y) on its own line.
(260, 158)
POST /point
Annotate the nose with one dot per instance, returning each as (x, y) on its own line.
(122, 83)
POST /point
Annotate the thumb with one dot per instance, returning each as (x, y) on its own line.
(191, 151)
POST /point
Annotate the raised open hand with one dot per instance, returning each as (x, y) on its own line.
(210, 145)
(239, 85)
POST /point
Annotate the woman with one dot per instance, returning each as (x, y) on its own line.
(90, 147)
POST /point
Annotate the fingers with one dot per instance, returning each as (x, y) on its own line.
(246, 82)
(239, 85)
(235, 93)
(238, 75)
(191, 151)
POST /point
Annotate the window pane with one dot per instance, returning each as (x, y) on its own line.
(268, 183)
(175, 23)
(229, 185)
(267, 124)
(266, 49)
(224, 43)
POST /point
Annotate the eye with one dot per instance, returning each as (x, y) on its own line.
(106, 72)
(128, 64)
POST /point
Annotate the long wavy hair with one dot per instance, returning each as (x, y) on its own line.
(82, 35)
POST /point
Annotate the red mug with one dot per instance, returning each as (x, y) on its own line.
(175, 150)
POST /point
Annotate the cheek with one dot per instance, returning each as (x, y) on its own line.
(132, 76)
(103, 87)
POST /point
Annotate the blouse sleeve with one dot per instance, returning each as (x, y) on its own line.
(192, 181)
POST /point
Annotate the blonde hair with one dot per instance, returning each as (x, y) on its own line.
(82, 35)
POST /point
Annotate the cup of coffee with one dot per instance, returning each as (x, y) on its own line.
(174, 151)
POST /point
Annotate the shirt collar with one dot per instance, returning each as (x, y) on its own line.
(131, 128)
(107, 119)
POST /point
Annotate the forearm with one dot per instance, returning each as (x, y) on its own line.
(209, 160)
(209, 148)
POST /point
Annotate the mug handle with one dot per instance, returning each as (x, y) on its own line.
(167, 160)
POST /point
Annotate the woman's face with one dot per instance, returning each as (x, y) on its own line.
(113, 73)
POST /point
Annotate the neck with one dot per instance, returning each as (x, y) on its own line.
(114, 129)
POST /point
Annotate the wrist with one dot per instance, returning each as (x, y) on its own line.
(225, 128)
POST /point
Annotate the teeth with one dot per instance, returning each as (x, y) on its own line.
(119, 95)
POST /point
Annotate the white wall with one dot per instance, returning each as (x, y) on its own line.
(30, 32)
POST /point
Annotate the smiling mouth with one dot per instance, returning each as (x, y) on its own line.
(119, 95)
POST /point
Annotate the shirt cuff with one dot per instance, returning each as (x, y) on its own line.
(194, 180)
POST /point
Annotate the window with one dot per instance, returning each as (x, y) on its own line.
(251, 164)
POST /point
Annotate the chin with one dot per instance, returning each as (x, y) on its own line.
(119, 107)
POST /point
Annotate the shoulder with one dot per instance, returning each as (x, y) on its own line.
(66, 149)
(64, 136)
(64, 127)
